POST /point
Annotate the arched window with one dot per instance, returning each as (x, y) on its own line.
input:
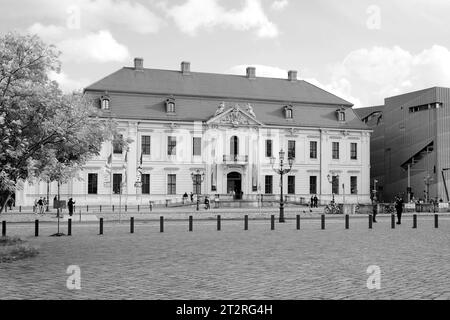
(170, 105)
(105, 102)
(288, 112)
(340, 114)
(234, 145)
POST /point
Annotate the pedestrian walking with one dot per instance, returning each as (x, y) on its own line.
(316, 201)
(192, 197)
(185, 196)
(41, 206)
(311, 202)
(374, 210)
(35, 204)
(10, 204)
(399, 209)
(207, 206)
(70, 206)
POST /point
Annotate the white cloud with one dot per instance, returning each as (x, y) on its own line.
(196, 14)
(381, 72)
(96, 47)
(78, 46)
(279, 5)
(66, 84)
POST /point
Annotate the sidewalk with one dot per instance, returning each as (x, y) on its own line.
(184, 213)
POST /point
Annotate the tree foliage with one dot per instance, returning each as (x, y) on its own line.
(44, 133)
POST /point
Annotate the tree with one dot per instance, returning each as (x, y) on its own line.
(43, 133)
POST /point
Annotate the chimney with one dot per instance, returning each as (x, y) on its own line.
(292, 75)
(185, 68)
(251, 72)
(138, 64)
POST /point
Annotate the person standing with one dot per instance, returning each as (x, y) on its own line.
(311, 204)
(316, 201)
(399, 209)
(185, 196)
(374, 210)
(192, 197)
(41, 205)
(70, 206)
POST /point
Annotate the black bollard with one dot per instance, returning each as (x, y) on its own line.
(392, 221)
(322, 218)
(132, 225)
(246, 222)
(347, 221)
(101, 226)
(161, 224)
(218, 223)
(370, 221)
(272, 222)
(298, 222)
(190, 223)
(414, 221)
(3, 228)
(69, 227)
(36, 228)
(436, 221)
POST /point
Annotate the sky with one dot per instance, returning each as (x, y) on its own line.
(362, 51)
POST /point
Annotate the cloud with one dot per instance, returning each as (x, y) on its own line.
(77, 46)
(197, 14)
(380, 72)
(279, 5)
(66, 84)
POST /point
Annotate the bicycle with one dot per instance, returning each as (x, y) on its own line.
(332, 208)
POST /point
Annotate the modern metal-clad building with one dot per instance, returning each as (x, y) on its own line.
(410, 144)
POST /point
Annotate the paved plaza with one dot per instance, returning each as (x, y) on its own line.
(260, 263)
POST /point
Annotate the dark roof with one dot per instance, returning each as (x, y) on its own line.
(367, 111)
(154, 81)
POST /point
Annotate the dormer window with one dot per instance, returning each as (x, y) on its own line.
(105, 102)
(170, 105)
(340, 114)
(288, 114)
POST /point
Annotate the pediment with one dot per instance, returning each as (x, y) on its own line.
(234, 116)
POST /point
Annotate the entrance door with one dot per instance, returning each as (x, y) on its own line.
(234, 184)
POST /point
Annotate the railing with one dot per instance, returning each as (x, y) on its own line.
(235, 158)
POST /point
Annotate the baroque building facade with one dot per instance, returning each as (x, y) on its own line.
(228, 128)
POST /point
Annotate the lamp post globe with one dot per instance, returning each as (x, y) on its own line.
(281, 171)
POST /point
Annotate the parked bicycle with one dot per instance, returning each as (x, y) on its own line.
(332, 208)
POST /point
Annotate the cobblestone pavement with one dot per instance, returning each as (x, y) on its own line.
(260, 263)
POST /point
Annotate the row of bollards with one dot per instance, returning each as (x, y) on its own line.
(219, 222)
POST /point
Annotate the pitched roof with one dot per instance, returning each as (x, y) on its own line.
(367, 111)
(155, 81)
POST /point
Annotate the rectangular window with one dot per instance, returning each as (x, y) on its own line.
(117, 147)
(171, 145)
(171, 184)
(313, 184)
(92, 183)
(291, 184)
(291, 149)
(117, 182)
(335, 185)
(197, 184)
(145, 179)
(313, 149)
(353, 151)
(145, 145)
(354, 185)
(268, 184)
(335, 150)
(269, 148)
(196, 146)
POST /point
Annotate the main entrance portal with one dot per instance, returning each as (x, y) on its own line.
(234, 184)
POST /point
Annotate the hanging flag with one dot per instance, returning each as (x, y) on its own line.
(108, 163)
(125, 165)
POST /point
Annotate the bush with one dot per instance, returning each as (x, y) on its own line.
(13, 248)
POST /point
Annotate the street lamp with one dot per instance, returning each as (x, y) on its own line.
(428, 179)
(197, 179)
(330, 180)
(281, 171)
